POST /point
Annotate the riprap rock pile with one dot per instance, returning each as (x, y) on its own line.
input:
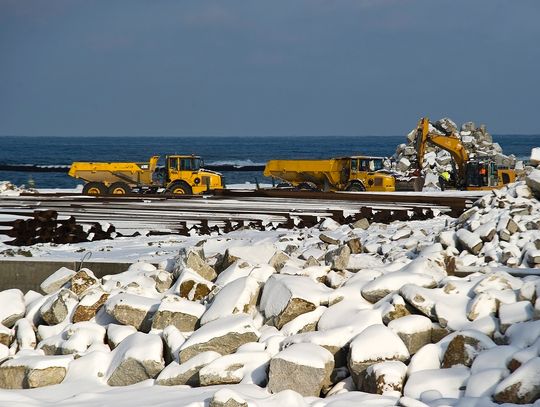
(477, 141)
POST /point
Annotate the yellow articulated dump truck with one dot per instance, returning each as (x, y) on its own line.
(181, 175)
(357, 173)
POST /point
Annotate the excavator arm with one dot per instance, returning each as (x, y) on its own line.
(450, 143)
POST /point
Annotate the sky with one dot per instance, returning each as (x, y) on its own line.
(266, 68)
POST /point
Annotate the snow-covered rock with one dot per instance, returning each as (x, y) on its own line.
(304, 368)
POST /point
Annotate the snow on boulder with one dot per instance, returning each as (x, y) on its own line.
(338, 259)
(58, 307)
(25, 334)
(522, 386)
(12, 306)
(131, 309)
(414, 331)
(92, 300)
(470, 241)
(75, 338)
(192, 286)
(304, 368)
(303, 323)
(83, 280)
(176, 374)
(138, 357)
(381, 286)
(426, 358)
(385, 378)
(445, 383)
(117, 333)
(57, 280)
(240, 367)
(28, 372)
(376, 343)
(497, 357)
(193, 258)
(224, 335)
(483, 383)
(227, 398)
(239, 296)
(285, 297)
(510, 314)
(177, 311)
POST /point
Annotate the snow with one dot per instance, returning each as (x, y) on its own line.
(527, 375)
(378, 342)
(306, 354)
(446, 382)
(40, 362)
(239, 323)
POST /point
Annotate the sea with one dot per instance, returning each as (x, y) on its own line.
(237, 151)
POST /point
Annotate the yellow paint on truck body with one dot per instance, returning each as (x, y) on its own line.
(336, 174)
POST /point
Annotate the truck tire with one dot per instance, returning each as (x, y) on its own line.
(179, 188)
(356, 187)
(94, 188)
(119, 188)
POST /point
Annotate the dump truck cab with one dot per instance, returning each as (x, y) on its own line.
(184, 175)
(366, 173)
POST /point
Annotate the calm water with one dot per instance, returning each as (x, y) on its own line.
(239, 150)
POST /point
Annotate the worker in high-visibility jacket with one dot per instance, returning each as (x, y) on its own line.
(444, 179)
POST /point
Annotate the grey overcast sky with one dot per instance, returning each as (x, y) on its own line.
(266, 68)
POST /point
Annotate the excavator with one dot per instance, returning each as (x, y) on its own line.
(472, 174)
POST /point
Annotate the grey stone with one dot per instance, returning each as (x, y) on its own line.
(278, 260)
(193, 258)
(131, 371)
(57, 311)
(338, 259)
(305, 379)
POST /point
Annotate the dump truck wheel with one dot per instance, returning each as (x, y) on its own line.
(119, 188)
(94, 188)
(179, 188)
(356, 187)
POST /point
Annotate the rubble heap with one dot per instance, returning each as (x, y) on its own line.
(476, 140)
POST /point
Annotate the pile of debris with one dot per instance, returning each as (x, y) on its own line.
(476, 140)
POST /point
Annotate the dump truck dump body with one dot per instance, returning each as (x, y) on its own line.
(345, 173)
(131, 173)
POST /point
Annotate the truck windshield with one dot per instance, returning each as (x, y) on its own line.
(373, 164)
(190, 164)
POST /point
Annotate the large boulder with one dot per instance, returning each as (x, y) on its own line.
(58, 307)
(193, 258)
(385, 378)
(92, 300)
(522, 386)
(414, 331)
(138, 357)
(131, 309)
(238, 296)
(13, 307)
(241, 367)
(376, 343)
(57, 280)
(223, 336)
(176, 374)
(177, 311)
(28, 372)
(285, 297)
(304, 368)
